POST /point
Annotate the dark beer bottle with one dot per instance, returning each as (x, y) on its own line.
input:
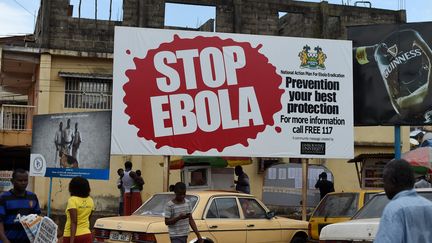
(404, 61)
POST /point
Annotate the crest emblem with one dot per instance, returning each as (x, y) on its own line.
(312, 60)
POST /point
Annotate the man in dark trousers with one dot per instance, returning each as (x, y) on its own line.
(242, 182)
(13, 202)
(324, 185)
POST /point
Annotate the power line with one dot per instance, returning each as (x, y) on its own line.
(24, 8)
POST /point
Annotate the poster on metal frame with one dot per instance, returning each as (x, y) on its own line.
(218, 94)
(71, 144)
(392, 74)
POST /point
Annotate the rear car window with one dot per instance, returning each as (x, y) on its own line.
(338, 205)
(223, 208)
(375, 207)
(156, 205)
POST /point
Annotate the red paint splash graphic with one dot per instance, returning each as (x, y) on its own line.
(257, 74)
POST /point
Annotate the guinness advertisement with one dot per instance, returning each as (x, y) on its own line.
(392, 74)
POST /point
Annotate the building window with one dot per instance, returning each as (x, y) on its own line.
(15, 117)
(88, 93)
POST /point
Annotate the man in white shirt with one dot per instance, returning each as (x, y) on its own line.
(132, 198)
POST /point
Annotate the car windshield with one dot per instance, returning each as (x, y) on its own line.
(156, 205)
(337, 205)
(375, 207)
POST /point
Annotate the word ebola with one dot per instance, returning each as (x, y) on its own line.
(207, 110)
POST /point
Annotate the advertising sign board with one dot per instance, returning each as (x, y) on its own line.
(392, 74)
(71, 144)
(216, 94)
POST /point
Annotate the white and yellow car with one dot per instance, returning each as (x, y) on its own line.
(363, 226)
(221, 217)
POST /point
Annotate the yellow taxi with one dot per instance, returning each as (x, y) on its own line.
(221, 217)
(337, 207)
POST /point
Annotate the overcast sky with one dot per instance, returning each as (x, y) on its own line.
(19, 16)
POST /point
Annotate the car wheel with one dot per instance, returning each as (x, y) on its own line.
(298, 239)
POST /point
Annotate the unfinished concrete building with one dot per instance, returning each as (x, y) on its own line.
(57, 29)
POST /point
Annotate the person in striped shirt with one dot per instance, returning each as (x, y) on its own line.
(17, 201)
(178, 216)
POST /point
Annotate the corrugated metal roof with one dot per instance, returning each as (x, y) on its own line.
(86, 75)
(362, 157)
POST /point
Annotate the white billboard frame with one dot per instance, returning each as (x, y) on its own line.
(312, 83)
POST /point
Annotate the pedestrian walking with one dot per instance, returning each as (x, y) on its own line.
(407, 217)
(242, 182)
(17, 201)
(178, 216)
(78, 211)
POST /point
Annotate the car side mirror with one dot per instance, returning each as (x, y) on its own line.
(270, 215)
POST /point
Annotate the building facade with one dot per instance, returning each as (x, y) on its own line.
(66, 66)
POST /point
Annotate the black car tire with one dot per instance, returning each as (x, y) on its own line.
(298, 239)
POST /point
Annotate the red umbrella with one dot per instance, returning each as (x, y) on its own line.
(420, 159)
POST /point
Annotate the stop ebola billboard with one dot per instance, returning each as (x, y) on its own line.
(217, 94)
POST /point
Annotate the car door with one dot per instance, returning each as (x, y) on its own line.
(223, 220)
(259, 228)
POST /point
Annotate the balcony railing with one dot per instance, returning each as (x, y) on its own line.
(16, 117)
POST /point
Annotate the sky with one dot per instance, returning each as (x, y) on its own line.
(18, 17)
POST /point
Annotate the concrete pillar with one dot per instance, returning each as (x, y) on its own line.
(43, 85)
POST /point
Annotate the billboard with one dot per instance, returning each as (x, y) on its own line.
(217, 94)
(392, 73)
(71, 144)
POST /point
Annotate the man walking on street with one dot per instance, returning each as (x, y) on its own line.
(178, 216)
(242, 182)
(13, 202)
(407, 217)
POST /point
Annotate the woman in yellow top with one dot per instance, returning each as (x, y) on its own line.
(78, 211)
